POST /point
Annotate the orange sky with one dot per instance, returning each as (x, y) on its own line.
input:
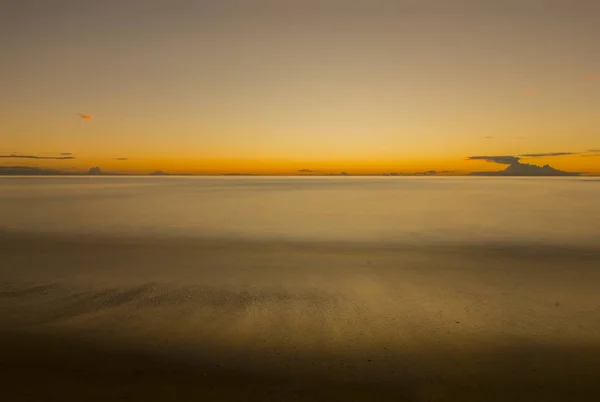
(356, 86)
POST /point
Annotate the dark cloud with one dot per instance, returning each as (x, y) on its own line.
(27, 170)
(15, 156)
(549, 154)
(512, 159)
(307, 171)
(121, 159)
(95, 171)
(503, 160)
(488, 137)
(85, 116)
(66, 153)
(516, 168)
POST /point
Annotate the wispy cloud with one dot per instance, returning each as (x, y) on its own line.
(15, 156)
(503, 160)
(512, 159)
(549, 154)
(120, 159)
(307, 171)
(592, 152)
(85, 116)
(51, 153)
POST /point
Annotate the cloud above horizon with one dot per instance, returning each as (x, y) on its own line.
(549, 154)
(120, 159)
(85, 116)
(15, 156)
(503, 160)
(514, 159)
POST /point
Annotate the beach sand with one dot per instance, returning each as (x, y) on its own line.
(104, 318)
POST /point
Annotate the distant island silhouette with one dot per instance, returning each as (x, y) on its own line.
(523, 169)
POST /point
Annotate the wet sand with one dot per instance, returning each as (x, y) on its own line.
(105, 318)
(51, 368)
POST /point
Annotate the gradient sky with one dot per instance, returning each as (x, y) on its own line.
(274, 86)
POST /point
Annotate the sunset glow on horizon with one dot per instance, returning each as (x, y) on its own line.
(363, 87)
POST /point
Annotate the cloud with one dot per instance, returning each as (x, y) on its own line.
(503, 160)
(488, 137)
(594, 150)
(511, 159)
(516, 168)
(14, 156)
(549, 154)
(158, 173)
(27, 170)
(85, 116)
(307, 171)
(51, 153)
(592, 77)
(120, 159)
(95, 171)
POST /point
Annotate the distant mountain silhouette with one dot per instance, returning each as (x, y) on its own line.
(524, 169)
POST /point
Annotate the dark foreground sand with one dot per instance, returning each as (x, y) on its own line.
(142, 320)
(47, 368)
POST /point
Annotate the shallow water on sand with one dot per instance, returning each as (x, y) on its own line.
(425, 284)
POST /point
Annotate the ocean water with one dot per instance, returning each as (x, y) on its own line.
(314, 209)
(431, 284)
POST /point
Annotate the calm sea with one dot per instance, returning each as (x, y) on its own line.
(315, 209)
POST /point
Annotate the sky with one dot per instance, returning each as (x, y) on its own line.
(275, 87)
